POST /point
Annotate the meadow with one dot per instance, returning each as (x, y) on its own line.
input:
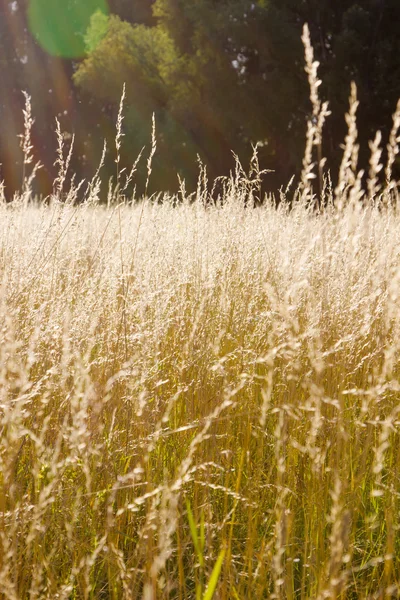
(200, 399)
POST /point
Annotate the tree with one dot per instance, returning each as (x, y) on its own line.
(144, 58)
(219, 76)
(235, 52)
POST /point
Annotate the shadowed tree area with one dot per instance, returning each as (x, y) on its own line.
(219, 76)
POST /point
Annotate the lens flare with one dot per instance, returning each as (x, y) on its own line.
(59, 26)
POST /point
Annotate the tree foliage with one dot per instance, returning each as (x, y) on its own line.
(220, 75)
(224, 75)
(96, 31)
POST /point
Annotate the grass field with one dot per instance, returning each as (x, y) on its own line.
(181, 382)
(202, 400)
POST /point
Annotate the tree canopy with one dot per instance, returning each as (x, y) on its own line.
(221, 76)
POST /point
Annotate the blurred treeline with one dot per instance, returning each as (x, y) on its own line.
(219, 75)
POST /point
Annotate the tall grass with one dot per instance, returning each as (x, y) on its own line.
(201, 399)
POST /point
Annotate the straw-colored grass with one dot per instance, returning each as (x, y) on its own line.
(236, 365)
(202, 399)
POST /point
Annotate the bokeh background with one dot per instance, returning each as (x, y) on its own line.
(219, 76)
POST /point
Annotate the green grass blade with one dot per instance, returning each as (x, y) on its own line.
(193, 532)
(212, 584)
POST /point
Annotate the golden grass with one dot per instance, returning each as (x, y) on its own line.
(201, 399)
(236, 364)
